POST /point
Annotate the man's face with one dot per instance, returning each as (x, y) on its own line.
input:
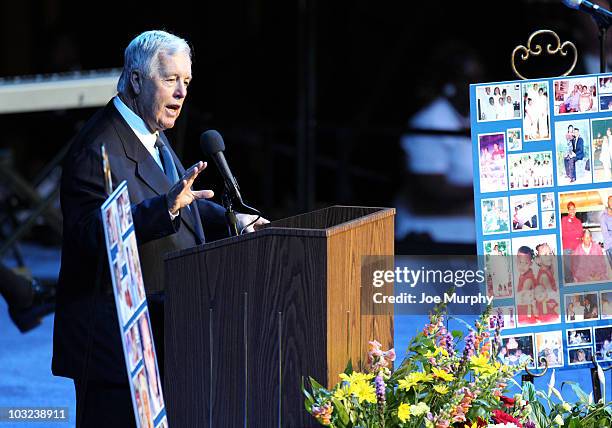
(162, 95)
(576, 133)
(571, 210)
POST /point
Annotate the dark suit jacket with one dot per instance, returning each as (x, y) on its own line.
(579, 149)
(86, 323)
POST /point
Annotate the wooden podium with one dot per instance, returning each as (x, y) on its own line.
(247, 317)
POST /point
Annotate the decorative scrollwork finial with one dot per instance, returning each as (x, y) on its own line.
(544, 362)
(536, 50)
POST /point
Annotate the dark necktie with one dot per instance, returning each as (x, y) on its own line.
(167, 161)
(173, 178)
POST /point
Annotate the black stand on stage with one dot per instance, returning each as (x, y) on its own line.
(603, 25)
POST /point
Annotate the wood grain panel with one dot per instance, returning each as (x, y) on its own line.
(248, 317)
(348, 328)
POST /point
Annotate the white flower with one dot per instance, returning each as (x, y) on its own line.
(566, 406)
(558, 420)
(419, 409)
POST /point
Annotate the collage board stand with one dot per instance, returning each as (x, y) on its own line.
(542, 152)
(132, 311)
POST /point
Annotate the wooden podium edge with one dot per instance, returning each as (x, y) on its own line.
(287, 231)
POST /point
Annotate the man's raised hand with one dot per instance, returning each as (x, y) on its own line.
(180, 194)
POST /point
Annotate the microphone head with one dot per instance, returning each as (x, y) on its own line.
(211, 142)
(574, 4)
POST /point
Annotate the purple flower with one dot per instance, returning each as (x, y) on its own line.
(529, 424)
(379, 383)
(470, 340)
(449, 344)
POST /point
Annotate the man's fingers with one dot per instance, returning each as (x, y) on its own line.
(259, 224)
(194, 170)
(203, 194)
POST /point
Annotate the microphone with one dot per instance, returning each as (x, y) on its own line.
(211, 143)
(592, 9)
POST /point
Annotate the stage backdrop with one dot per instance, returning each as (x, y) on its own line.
(542, 153)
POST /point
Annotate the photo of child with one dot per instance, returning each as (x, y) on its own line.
(136, 284)
(576, 95)
(126, 302)
(536, 108)
(581, 307)
(547, 201)
(524, 210)
(536, 280)
(498, 268)
(513, 136)
(602, 149)
(143, 401)
(517, 350)
(502, 316)
(498, 102)
(605, 85)
(111, 226)
(530, 170)
(125, 211)
(573, 152)
(605, 102)
(580, 355)
(579, 336)
(606, 304)
(549, 346)
(133, 346)
(495, 216)
(603, 343)
(150, 364)
(549, 220)
(492, 161)
(605, 94)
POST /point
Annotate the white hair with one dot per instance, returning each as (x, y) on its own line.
(142, 54)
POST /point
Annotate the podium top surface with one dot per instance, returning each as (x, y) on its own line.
(321, 223)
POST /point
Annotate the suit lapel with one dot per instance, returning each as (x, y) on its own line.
(147, 169)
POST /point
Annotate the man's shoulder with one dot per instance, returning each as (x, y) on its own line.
(97, 126)
(99, 129)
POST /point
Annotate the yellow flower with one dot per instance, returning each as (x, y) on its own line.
(340, 394)
(413, 379)
(438, 351)
(442, 374)
(356, 377)
(403, 412)
(363, 391)
(441, 389)
(482, 367)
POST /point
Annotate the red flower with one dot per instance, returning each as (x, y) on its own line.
(500, 417)
(480, 423)
(508, 402)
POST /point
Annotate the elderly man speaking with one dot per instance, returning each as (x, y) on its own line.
(168, 216)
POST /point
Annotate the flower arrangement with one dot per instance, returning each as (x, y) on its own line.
(551, 410)
(438, 385)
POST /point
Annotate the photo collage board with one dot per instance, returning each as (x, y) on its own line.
(542, 156)
(132, 310)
